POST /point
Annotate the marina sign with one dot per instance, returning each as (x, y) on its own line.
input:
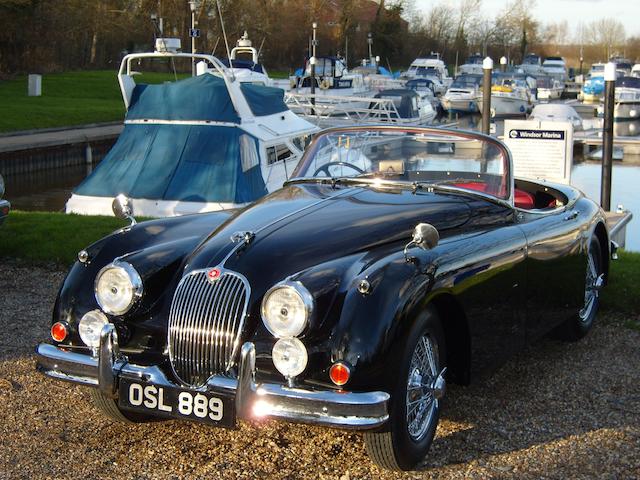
(540, 150)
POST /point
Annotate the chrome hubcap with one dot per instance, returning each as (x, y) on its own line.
(424, 387)
(593, 283)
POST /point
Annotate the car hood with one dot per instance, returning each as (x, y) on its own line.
(304, 225)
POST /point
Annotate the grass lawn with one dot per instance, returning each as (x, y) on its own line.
(71, 98)
(56, 237)
(44, 237)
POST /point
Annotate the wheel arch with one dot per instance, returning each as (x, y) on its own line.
(456, 334)
(603, 237)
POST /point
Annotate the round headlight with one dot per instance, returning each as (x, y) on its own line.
(286, 309)
(289, 356)
(117, 287)
(90, 326)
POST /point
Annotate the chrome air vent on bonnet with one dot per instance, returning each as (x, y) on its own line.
(205, 322)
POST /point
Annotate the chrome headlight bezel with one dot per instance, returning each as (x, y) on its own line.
(306, 300)
(135, 282)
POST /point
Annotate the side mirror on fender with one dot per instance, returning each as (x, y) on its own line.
(425, 236)
(121, 207)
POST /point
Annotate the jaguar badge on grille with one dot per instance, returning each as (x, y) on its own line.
(213, 274)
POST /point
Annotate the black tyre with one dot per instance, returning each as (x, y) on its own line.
(109, 407)
(579, 325)
(415, 407)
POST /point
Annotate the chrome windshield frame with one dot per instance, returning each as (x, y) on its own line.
(445, 133)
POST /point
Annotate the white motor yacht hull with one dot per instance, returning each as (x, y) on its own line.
(502, 105)
(91, 205)
(627, 110)
(460, 102)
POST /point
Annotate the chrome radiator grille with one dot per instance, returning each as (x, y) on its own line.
(205, 322)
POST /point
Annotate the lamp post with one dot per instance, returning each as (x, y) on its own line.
(487, 67)
(503, 64)
(607, 134)
(370, 43)
(581, 60)
(193, 6)
(312, 61)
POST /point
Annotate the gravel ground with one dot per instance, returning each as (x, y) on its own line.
(555, 411)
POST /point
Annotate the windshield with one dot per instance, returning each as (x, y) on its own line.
(466, 82)
(425, 156)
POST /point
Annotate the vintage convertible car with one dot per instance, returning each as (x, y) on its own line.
(394, 259)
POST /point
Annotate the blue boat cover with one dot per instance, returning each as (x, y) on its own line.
(202, 163)
(204, 97)
(263, 100)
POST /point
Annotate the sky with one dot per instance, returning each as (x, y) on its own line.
(573, 11)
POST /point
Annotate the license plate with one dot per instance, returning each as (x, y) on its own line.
(175, 402)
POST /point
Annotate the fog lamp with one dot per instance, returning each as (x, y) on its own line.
(90, 326)
(289, 356)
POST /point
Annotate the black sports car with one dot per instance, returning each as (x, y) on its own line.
(394, 260)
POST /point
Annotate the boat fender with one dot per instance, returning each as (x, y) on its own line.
(324, 84)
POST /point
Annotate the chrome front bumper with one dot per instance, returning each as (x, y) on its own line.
(322, 407)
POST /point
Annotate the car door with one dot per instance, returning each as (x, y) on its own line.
(554, 267)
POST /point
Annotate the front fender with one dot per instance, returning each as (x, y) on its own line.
(369, 334)
(155, 248)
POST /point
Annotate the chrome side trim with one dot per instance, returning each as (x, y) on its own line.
(365, 410)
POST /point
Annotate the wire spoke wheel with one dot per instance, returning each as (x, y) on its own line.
(590, 288)
(420, 400)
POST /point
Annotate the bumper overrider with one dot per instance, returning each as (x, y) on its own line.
(351, 410)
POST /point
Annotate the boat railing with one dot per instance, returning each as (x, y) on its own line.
(324, 110)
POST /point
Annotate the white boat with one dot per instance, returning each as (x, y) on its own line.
(462, 95)
(549, 88)
(394, 107)
(424, 87)
(532, 65)
(510, 95)
(627, 105)
(245, 65)
(556, 68)
(433, 68)
(332, 78)
(472, 66)
(557, 112)
(205, 143)
(635, 70)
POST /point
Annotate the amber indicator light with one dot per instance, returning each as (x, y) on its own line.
(339, 373)
(59, 331)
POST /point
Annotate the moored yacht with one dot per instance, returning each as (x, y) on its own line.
(244, 63)
(549, 88)
(204, 143)
(627, 100)
(462, 95)
(556, 68)
(510, 95)
(472, 66)
(433, 68)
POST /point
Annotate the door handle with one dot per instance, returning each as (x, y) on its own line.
(572, 216)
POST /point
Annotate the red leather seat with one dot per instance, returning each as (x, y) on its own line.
(522, 199)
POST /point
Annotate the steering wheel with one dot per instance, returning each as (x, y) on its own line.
(325, 168)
